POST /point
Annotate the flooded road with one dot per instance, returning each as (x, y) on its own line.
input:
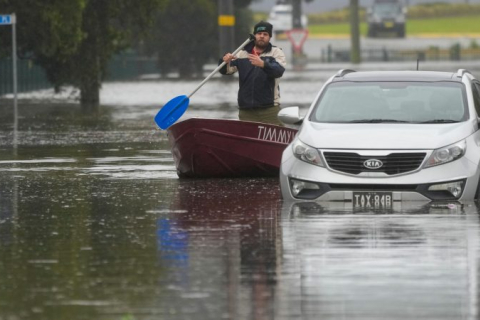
(95, 224)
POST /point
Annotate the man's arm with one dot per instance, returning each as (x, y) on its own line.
(274, 66)
(229, 67)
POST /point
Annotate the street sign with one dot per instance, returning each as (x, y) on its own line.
(7, 19)
(297, 37)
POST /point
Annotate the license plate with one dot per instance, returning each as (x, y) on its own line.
(372, 199)
(388, 24)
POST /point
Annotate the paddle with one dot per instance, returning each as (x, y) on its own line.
(175, 108)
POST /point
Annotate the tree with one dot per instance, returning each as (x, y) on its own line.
(186, 35)
(44, 28)
(74, 40)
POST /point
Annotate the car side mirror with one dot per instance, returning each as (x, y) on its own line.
(290, 115)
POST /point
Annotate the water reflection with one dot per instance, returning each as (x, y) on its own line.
(230, 228)
(414, 263)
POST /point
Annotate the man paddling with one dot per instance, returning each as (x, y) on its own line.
(260, 66)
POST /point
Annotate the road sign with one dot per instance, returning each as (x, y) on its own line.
(7, 19)
(297, 37)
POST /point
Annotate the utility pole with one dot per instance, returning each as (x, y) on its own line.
(297, 35)
(226, 23)
(296, 14)
(354, 32)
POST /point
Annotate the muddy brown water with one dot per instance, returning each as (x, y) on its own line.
(95, 224)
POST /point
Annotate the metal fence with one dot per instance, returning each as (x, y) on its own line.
(130, 66)
(32, 77)
(454, 53)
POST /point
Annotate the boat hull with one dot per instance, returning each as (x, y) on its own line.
(219, 148)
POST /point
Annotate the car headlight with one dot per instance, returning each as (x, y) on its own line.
(447, 154)
(307, 153)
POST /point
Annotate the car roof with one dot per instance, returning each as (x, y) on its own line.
(351, 75)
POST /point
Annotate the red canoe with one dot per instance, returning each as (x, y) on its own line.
(213, 148)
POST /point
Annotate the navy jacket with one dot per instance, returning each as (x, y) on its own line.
(258, 87)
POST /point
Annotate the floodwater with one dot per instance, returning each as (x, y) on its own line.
(95, 224)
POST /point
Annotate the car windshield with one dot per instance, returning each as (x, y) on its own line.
(386, 8)
(377, 102)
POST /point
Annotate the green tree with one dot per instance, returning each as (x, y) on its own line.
(44, 28)
(186, 34)
(244, 20)
(74, 40)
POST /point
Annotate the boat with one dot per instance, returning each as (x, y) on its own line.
(222, 148)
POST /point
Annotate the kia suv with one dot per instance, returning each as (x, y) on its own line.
(374, 138)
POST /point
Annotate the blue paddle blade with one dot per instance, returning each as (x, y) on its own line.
(171, 112)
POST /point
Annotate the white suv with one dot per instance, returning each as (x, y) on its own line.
(374, 138)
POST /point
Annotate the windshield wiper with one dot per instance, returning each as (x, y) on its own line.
(441, 121)
(377, 121)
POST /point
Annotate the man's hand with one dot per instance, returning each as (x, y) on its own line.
(256, 61)
(228, 57)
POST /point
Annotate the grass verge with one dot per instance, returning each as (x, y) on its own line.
(441, 26)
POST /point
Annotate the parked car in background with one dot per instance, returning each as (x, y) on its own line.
(281, 18)
(386, 17)
(375, 138)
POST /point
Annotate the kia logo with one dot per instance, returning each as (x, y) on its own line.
(373, 164)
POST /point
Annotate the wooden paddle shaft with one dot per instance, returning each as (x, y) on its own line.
(221, 66)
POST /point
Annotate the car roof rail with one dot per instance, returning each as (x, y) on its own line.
(343, 72)
(461, 72)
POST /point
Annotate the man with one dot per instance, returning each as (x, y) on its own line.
(260, 65)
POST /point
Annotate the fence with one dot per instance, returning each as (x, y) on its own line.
(454, 53)
(128, 66)
(29, 76)
(32, 77)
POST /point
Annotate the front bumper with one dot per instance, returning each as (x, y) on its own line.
(387, 26)
(346, 192)
(335, 186)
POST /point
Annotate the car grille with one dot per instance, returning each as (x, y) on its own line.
(394, 163)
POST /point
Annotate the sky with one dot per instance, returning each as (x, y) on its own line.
(317, 6)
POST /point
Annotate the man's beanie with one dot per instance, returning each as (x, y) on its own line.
(263, 26)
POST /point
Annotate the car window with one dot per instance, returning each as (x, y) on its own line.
(386, 9)
(391, 101)
(476, 97)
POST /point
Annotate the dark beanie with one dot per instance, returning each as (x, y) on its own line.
(263, 26)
